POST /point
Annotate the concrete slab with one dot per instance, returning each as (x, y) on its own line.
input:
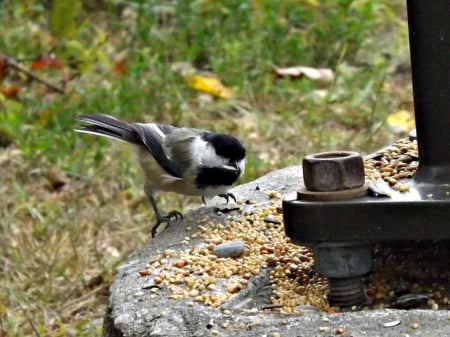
(134, 310)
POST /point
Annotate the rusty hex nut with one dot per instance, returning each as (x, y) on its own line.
(333, 171)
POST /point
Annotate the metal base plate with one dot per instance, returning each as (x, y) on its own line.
(423, 213)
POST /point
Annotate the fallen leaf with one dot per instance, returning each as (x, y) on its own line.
(9, 90)
(312, 3)
(401, 121)
(56, 180)
(324, 75)
(62, 17)
(3, 65)
(208, 84)
(48, 61)
(120, 67)
(44, 117)
(3, 309)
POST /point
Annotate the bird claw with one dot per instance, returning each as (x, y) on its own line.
(227, 196)
(173, 215)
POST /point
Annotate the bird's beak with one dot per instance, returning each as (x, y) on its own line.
(230, 168)
(234, 168)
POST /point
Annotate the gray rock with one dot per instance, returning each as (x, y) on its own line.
(142, 316)
(229, 249)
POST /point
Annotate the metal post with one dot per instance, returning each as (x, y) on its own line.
(341, 230)
(429, 36)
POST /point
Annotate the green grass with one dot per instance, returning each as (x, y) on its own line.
(59, 249)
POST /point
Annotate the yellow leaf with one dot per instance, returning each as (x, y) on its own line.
(3, 309)
(401, 121)
(44, 118)
(312, 3)
(208, 84)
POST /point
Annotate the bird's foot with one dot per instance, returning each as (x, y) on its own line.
(227, 196)
(173, 215)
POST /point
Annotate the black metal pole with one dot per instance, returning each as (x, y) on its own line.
(429, 36)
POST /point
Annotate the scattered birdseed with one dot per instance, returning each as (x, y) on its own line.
(340, 331)
(397, 161)
(210, 278)
(274, 194)
(391, 324)
(324, 329)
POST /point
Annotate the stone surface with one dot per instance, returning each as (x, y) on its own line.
(132, 313)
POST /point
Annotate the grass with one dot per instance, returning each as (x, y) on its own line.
(59, 247)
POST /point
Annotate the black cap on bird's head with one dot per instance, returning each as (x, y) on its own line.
(226, 146)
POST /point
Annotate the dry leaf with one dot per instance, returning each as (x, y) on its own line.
(208, 84)
(401, 121)
(56, 180)
(9, 90)
(323, 75)
(3, 309)
(120, 67)
(44, 117)
(47, 62)
(3, 65)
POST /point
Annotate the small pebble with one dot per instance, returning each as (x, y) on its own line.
(229, 249)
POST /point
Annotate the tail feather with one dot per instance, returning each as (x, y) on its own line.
(104, 125)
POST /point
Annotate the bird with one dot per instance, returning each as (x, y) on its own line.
(183, 160)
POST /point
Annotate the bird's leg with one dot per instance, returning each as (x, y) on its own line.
(162, 218)
(203, 200)
(227, 196)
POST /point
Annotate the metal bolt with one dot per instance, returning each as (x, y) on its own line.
(331, 174)
(344, 264)
(333, 171)
(345, 292)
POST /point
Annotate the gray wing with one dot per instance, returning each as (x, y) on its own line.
(153, 136)
(177, 146)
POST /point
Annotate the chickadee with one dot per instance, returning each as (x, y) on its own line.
(181, 160)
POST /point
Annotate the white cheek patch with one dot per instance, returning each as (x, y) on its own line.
(203, 154)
